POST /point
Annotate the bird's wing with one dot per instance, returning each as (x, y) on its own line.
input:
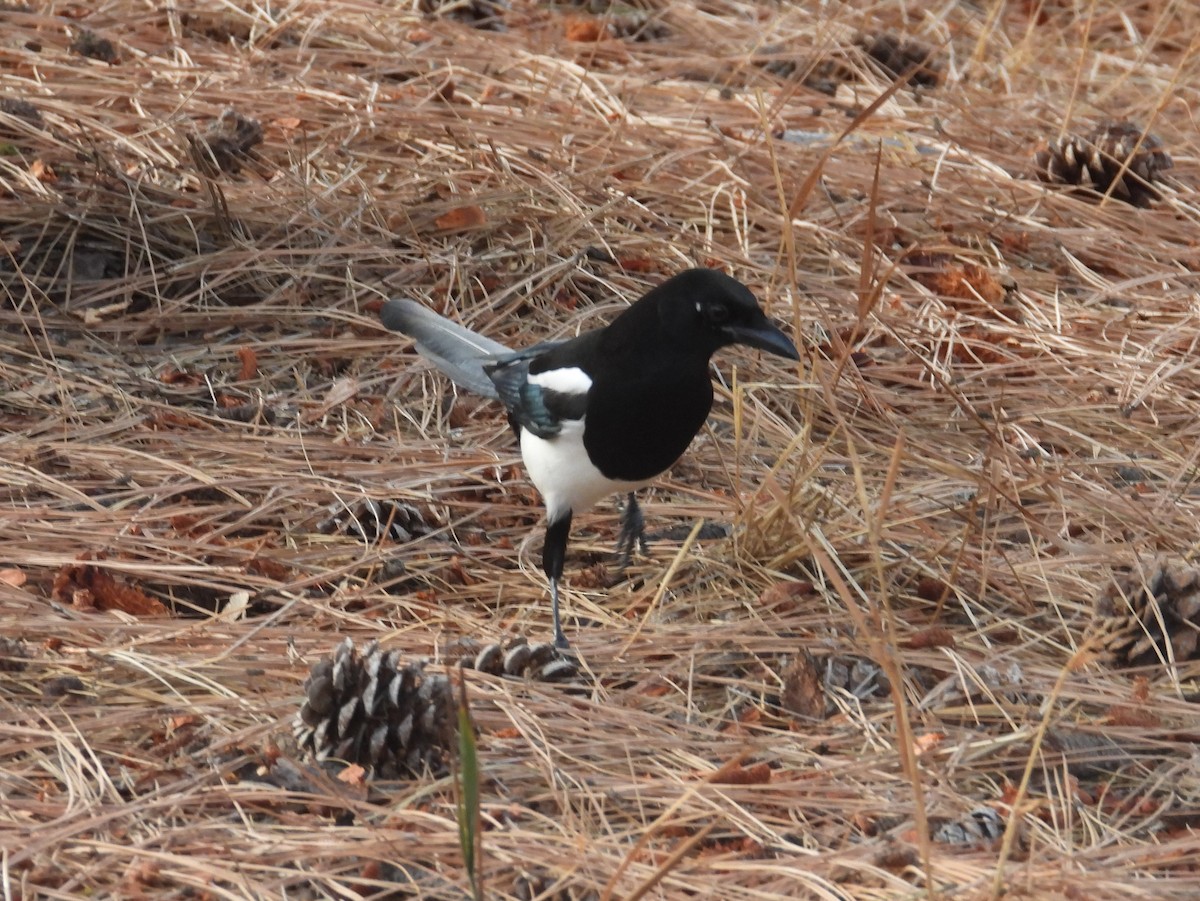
(541, 401)
(457, 351)
(485, 367)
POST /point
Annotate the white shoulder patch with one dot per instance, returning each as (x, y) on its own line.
(572, 380)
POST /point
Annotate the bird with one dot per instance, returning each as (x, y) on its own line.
(609, 410)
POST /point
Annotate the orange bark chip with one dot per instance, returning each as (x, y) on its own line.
(460, 218)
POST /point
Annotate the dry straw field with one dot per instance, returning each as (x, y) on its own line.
(919, 617)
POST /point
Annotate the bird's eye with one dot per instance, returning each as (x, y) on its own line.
(716, 314)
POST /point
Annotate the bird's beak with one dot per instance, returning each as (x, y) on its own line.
(764, 337)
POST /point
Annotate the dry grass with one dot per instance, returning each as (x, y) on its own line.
(997, 413)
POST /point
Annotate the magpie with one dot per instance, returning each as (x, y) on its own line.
(605, 412)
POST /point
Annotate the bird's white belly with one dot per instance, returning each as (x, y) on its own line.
(564, 475)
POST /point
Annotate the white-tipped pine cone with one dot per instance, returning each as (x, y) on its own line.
(1147, 622)
(1114, 158)
(367, 708)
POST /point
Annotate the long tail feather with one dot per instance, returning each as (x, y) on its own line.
(457, 351)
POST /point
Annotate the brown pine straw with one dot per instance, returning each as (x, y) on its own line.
(996, 415)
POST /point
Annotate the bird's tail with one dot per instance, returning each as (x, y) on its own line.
(457, 351)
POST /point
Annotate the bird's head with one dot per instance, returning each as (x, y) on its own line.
(710, 309)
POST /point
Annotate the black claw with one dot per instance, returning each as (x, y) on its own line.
(633, 532)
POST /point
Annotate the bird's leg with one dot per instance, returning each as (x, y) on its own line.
(554, 551)
(633, 532)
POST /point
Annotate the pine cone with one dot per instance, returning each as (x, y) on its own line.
(227, 143)
(373, 520)
(1148, 622)
(485, 14)
(803, 691)
(540, 885)
(13, 655)
(810, 683)
(983, 824)
(1096, 162)
(542, 662)
(93, 46)
(822, 74)
(638, 26)
(14, 109)
(897, 55)
(368, 709)
(858, 676)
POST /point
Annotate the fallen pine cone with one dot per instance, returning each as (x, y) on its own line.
(542, 662)
(898, 55)
(372, 520)
(540, 885)
(978, 826)
(485, 14)
(367, 708)
(1151, 621)
(226, 144)
(811, 684)
(14, 655)
(397, 720)
(1116, 158)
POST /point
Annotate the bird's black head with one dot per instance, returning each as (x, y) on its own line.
(708, 309)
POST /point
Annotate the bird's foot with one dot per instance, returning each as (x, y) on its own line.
(632, 534)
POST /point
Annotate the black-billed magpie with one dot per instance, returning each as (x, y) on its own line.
(607, 411)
